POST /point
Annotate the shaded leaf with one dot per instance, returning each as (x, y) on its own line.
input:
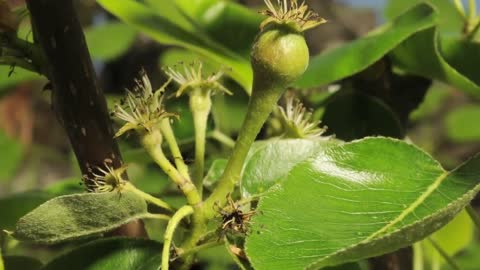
(113, 253)
(463, 55)
(13, 207)
(165, 30)
(350, 115)
(452, 238)
(80, 215)
(357, 55)
(467, 260)
(357, 200)
(232, 25)
(109, 41)
(460, 124)
(421, 55)
(10, 157)
(21, 262)
(215, 172)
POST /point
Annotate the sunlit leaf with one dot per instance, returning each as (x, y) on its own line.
(357, 200)
(110, 40)
(357, 55)
(165, 30)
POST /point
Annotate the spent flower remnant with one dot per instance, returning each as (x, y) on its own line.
(105, 179)
(290, 12)
(297, 121)
(190, 77)
(142, 109)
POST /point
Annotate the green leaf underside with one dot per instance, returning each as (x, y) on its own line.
(449, 19)
(269, 161)
(358, 55)
(78, 216)
(356, 200)
(421, 55)
(165, 30)
(113, 253)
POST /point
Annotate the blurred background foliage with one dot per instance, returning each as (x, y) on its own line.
(376, 70)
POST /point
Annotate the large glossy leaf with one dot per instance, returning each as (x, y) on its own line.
(354, 201)
(460, 124)
(421, 55)
(355, 56)
(165, 30)
(80, 215)
(113, 253)
(11, 154)
(270, 161)
(110, 40)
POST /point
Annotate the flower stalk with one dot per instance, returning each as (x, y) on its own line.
(169, 232)
(152, 142)
(167, 132)
(200, 88)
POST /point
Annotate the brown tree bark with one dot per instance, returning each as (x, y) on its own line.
(77, 99)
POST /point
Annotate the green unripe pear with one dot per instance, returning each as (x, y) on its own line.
(279, 56)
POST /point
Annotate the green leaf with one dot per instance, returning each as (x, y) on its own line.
(449, 19)
(270, 161)
(10, 157)
(13, 207)
(354, 201)
(232, 25)
(21, 262)
(460, 124)
(195, 8)
(467, 260)
(432, 64)
(113, 253)
(463, 55)
(78, 216)
(355, 56)
(452, 238)
(18, 76)
(110, 40)
(436, 96)
(215, 172)
(350, 115)
(165, 30)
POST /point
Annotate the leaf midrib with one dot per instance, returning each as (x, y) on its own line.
(412, 206)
